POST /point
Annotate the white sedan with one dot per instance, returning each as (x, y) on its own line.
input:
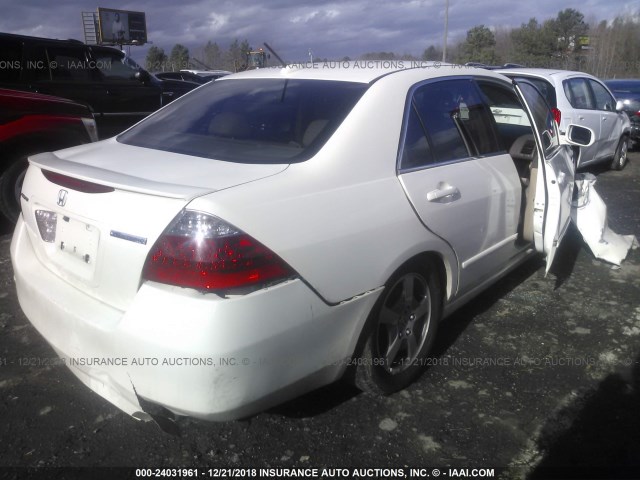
(276, 228)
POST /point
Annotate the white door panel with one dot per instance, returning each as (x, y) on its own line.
(474, 206)
(610, 133)
(552, 213)
(590, 119)
(555, 182)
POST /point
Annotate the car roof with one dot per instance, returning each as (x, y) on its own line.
(29, 38)
(365, 71)
(542, 72)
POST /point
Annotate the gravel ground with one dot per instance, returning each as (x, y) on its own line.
(538, 377)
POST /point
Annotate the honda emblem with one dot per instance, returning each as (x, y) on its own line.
(62, 197)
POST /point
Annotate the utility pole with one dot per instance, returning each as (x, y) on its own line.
(446, 29)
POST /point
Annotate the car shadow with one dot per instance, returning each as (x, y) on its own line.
(451, 328)
(596, 169)
(567, 255)
(598, 436)
(318, 401)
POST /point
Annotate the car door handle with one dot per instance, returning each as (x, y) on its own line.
(444, 194)
(580, 117)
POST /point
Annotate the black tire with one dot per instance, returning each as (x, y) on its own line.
(620, 158)
(10, 187)
(400, 330)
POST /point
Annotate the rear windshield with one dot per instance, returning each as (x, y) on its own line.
(545, 87)
(250, 120)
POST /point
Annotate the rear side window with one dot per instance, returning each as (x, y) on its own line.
(447, 121)
(250, 120)
(68, 64)
(10, 60)
(578, 93)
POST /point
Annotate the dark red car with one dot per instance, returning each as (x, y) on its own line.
(32, 123)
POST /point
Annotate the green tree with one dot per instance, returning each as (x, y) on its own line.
(179, 57)
(432, 53)
(156, 59)
(568, 26)
(236, 56)
(212, 55)
(534, 44)
(378, 56)
(479, 46)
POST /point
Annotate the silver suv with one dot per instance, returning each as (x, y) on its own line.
(582, 99)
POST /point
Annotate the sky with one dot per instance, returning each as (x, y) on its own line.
(298, 28)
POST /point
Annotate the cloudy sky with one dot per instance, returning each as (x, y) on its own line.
(331, 29)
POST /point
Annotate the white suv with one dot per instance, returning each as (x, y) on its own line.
(582, 99)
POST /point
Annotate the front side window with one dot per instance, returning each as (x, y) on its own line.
(250, 120)
(512, 121)
(542, 117)
(546, 88)
(603, 99)
(115, 67)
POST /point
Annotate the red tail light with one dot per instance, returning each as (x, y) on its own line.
(557, 115)
(203, 252)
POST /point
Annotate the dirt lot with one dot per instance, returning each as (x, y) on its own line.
(538, 377)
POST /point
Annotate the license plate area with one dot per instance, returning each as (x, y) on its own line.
(76, 246)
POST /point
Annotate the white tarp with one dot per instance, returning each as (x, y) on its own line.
(589, 214)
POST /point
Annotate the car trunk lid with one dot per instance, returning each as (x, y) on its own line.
(93, 222)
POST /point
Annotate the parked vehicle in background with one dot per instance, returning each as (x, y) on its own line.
(628, 92)
(32, 123)
(119, 92)
(182, 76)
(196, 76)
(582, 99)
(271, 230)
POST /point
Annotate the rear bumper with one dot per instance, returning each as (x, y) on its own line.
(195, 354)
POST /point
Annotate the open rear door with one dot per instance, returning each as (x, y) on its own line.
(556, 175)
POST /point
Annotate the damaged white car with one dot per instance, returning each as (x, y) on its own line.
(273, 229)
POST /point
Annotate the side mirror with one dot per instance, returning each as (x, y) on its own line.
(142, 76)
(619, 106)
(580, 136)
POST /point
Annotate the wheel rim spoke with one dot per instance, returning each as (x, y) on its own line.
(403, 322)
(423, 308)
(412, 347)
(392, 351)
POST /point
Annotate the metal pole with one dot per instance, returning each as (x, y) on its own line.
(446, 29)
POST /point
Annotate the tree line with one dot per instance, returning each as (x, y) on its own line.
(209, 57)
(568, 41)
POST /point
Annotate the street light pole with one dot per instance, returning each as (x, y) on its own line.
(446, 29)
